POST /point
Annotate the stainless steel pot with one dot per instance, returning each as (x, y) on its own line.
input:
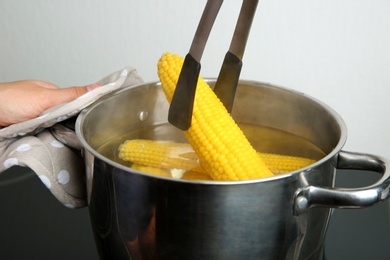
(140, 216)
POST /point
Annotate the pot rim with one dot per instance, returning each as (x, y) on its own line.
(334, 152)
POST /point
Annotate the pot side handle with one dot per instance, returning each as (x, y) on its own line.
(312, 196)
(65, 133)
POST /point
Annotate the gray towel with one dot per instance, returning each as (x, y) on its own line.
(59, 167)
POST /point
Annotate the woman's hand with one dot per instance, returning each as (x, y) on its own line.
(27, 99)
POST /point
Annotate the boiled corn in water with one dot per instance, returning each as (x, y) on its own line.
(223, 152)
(166, 156)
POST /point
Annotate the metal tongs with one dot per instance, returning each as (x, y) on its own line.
(180, 110)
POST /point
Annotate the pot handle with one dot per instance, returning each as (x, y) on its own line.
(65, 133)
(312, 196)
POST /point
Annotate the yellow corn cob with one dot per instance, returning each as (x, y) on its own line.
(223, 150)
(151, 169)
(279, 163)
(161, 150)
(159, 154)
(192, 175)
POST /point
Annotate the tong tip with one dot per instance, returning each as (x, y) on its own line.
(180, 110)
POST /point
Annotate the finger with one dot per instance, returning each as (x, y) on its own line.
(45, 84)
(93, 86)
(64, 95)
(68, 94)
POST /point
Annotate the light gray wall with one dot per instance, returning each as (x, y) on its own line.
(336, 51)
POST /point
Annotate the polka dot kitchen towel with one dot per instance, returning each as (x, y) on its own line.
(60, 168)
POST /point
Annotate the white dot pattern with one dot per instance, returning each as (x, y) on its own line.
(61, 118)
(124, 72)
(45, 181)
(23, 147)
(63, 177)
(10, 162)
(56, 144)
(68, 205)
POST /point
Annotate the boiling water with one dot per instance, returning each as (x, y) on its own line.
(263, 139)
